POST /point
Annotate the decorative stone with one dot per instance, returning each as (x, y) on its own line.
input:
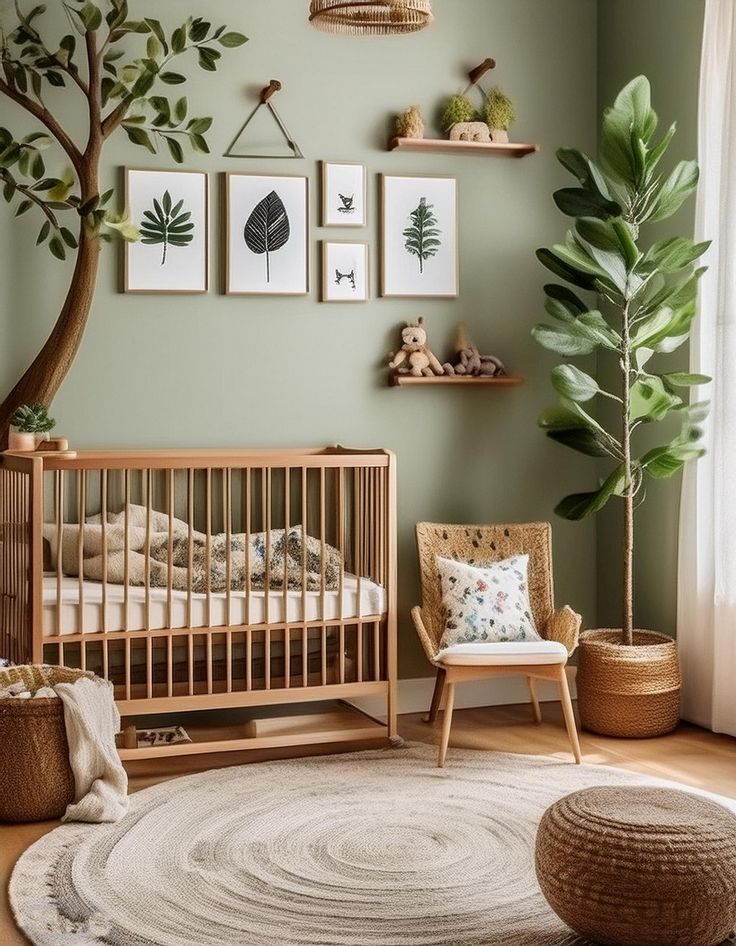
(470, 131)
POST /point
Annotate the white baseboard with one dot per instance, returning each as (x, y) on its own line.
(414, 695)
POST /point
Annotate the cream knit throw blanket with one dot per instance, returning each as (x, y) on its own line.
(92, 720)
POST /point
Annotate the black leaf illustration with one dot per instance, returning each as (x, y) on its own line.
(166, 225)
(267, 229)
(422, 234)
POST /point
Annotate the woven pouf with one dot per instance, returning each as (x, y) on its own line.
(640, 866)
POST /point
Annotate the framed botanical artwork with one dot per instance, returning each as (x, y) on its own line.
(419, 246)
(344, 271)
(170, 210)
(343, 195)
(266, 235)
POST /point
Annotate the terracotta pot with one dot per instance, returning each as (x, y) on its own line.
(21, 441)
(628, 691)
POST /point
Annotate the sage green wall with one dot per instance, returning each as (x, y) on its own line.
(211, 370)
(660, 38)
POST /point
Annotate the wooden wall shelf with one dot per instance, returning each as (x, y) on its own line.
(513, 149)
(505, 381)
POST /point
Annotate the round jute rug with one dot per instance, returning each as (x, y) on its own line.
(370, 849)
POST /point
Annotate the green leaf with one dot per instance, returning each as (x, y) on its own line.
(140, 137)
(580, 505)
(179, 39)
(682, 379)
(172, 78)
(43, 232)
(175, 149)
(630, 118)
(650, 401)
(91, 16)
(68, 237)
(568, 424)
(180, 109)
(578, 202)
(665, 330)
(166, 226)
(663, 462)
(573, 383)
(675, 190)
(669, 256)
(572, 275)
(57, 248)
(232, 40)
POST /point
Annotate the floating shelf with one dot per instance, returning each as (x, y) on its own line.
(505, 381)
(513, 149)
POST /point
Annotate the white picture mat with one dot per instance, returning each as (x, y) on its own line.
(345, 257)
(401, 270)
(350, 181)
(246, 271)
(186, 267)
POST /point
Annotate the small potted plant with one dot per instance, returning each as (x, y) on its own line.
(500, 115)
(628, 679)
(32, 425)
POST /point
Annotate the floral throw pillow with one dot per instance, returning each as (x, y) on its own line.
(488, 605)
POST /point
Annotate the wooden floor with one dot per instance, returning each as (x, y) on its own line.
(689, 755)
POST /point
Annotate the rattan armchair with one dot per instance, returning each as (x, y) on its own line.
(480, 545)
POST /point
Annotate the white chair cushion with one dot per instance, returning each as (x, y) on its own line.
(506, 653)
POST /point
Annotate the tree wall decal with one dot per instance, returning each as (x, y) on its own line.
(114, 88)
(422, 236)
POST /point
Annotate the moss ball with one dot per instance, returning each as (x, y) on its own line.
(459, 108)
(500, 111)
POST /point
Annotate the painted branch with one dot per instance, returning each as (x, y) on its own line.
(44, 376)
(270, 90)
(475, 75)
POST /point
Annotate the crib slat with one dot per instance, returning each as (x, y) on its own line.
(103, 511)
(247, 579)
(170, 547)
(190, 540)
(287, 526)
(341, 549)
(126, 562)
(81, 516)
(304, 533)
(59, 511)
(147, 578)
(322, 568)
(266, 523)
(227, 512)
(208, 567)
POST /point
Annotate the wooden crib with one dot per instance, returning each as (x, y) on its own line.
(199, 580)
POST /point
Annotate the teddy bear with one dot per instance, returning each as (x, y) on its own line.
(469, 362)
(415, 356)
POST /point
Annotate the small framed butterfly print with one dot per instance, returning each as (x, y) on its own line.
(343, 195)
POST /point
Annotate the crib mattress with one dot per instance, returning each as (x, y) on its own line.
(360, 598)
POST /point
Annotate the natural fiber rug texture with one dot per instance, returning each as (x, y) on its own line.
(370, 849)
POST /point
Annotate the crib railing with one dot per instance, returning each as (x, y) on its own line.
(293, 553)
(21, 515)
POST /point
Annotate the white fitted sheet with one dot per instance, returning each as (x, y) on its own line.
(371, 600)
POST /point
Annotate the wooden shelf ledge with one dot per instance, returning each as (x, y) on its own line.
(513, 149)
(505, 381)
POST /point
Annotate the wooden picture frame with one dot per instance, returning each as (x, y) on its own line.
(260, 209)
(183, 266)
(342, 183)
(429, 271)
(345, 271)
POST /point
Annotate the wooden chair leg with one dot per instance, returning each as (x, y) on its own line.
(569, 715)
(446, 724)
(439, 686)
(536, 709)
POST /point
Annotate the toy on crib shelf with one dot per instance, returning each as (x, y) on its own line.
(469, 362)
(415, 356)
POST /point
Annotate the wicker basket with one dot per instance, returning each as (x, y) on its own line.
(629, 691)
(36, 781)
(637, 866)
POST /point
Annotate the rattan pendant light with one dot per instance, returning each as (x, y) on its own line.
(370, 17)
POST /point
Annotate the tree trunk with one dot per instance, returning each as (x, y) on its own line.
(43, 378)
(627, 624)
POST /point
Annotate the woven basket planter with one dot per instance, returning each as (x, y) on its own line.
(640, 866)
(36, 781)
(632, 692)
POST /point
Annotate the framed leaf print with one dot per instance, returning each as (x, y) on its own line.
(344, 271)
(419, 246)
(170, 211)
(343, 195)
(266, 228)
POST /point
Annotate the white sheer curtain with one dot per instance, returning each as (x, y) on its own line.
(706, 622)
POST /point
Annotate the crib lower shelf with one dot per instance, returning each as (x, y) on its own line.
(337, 724)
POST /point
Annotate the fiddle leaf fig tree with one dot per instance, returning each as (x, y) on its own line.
(647, 302)
(116, 72)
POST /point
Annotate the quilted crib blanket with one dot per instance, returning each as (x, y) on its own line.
(286, 551)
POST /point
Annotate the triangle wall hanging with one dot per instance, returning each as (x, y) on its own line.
(264, 108)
